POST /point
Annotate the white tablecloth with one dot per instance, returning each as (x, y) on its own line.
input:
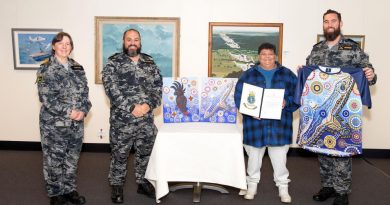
(197, 152)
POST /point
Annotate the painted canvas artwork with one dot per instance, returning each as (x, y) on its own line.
(32, 46)
(233, 46)
(192, 100)
(160, 39)
(217, 100)
(180, 100)
(152, 35)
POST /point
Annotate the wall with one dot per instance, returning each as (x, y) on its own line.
(19, 106)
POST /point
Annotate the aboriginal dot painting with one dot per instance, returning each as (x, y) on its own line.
(217, 100)
(180, 100)
(330, 114)
(194, 100)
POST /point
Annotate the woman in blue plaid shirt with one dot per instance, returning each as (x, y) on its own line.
(262, 133)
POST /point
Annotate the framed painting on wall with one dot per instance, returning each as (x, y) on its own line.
(159, 39)
(233, 46)
(357, 38)
(31, 46)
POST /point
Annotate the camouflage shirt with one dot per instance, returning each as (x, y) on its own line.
(128, 83)
(346, 53)
(62, 90)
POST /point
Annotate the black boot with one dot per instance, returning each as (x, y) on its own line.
(74, 198)
(117, 194)
(341, 199)
(146, 189)
(58, 200)
(324, 194)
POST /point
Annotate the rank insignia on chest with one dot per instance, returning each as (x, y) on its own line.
(149, 61)
(345, 47)
(39, 79)
(77, 67)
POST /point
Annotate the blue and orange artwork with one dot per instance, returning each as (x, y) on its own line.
(217, 100)
(180, 100)
(34, 48)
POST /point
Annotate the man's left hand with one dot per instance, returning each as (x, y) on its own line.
(369, 73)
(145, 108)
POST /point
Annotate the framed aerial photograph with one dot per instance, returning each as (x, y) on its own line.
(357, 38)
(233, 46)
(159, 39)
(31, 46)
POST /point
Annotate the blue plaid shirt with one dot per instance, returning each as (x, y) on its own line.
(268, 132)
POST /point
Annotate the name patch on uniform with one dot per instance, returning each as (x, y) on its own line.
(39, 79)
(345, 47)
(147, 61)
(77, 67)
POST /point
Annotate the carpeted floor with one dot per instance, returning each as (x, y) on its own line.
(21, 182)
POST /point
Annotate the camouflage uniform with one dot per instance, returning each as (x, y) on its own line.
(60, 91)
(346, 53)
(128, 83)
(336, 172)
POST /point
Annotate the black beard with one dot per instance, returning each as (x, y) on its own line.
(131, 52)
(331, 36)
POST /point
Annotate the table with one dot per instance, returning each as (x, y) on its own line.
(197, 152)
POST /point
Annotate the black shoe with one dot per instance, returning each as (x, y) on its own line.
(117, 194)
(58, 200)
(341, 199)
(74, 198)
(146, 189)
(324, 194)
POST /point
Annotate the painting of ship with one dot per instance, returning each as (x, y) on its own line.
(31, 46)
(44, 51)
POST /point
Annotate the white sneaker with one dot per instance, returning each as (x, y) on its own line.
(249, 196)
(283, 193)
(251, 192)
(242, 192)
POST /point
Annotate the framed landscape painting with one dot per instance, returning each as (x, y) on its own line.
(159, 39)
(31, 46)
(233, 46)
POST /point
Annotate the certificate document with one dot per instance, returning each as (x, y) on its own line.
(260, 102)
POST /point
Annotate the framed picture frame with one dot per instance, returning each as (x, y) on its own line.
(160, 39)
(360, 39)
(31, 46)
(233, 46)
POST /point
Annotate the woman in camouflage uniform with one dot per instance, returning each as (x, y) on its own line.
(63, 92)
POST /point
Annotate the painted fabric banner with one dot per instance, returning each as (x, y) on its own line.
(332, 102)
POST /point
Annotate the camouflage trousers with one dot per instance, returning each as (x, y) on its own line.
(141, 135)
(61, 148)
(336, 172)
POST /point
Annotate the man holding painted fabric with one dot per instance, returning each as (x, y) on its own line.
(337, 52)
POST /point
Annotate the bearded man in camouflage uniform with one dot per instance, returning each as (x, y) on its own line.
(133, 84)
(337, 51)
(63, 92)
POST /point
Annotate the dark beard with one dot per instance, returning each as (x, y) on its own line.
(331, 36)
(131, 52)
